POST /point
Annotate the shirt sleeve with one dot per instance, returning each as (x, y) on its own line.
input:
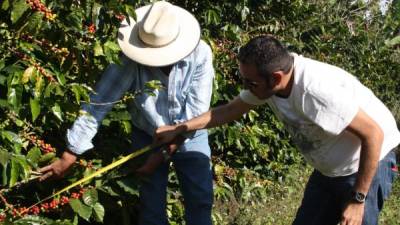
(250, 98)
(115, 81)
(199, 95)
(79, 137)
(332, 107)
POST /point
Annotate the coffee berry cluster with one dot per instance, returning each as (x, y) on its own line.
(91, 28)
(37, 66)
(37, 5)
(46, 148)
(45, 207)
(45, 44)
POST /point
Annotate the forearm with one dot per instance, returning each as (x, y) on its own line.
(368, 163)
(206, 120)
(216, 117)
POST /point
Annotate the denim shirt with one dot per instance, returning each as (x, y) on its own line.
(186, 94)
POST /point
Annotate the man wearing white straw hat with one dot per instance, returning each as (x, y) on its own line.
(164, 45)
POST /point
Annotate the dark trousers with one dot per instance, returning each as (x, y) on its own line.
(325, 197)
(194, 173)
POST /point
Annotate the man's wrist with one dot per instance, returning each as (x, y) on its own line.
(181, 128)
(69, 156)
(358, 197)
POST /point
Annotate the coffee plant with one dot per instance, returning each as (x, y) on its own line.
(52, 53)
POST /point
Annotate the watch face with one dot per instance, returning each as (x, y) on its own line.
(359, 197)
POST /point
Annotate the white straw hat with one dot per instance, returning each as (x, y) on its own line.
(162, 35)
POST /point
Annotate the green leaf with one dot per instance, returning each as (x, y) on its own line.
(109, 190)
(3, 80)
(15, 171)
(5, 5)
(24, 166)
(212, 17)
(19, 7)
(48, 90)
(57, 111)
(27, 74)
(130, 10)
(77, 92)
(34, 155)
(74, 20)
(76, 220)
(393, 42)
(11, 136)
(244, 13)
(111, 50)
(60, 78)
(106, 122)
(90, 197)
(4, 158)
(39, 220)
(2, 64)
(19, 122)
(35, 108)
(45, 159)
(34, 23)
(4, 175)
(129, 185)
(12, 97)
(27, 47)
(98, 50)
(96, 10)
(127, 126)
(83, 210)
(98, 212)
(3, 103)
(111, 45)
(38, 86)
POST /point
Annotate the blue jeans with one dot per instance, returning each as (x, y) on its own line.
(194, 173)
(325, 197)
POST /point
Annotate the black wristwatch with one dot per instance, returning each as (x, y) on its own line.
(358, 197)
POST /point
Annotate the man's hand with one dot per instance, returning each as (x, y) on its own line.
(166, 134)
(151, 164)
(58, 168)
(157, 158)
(353, 214)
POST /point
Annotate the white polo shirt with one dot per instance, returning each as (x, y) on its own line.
(323, 101)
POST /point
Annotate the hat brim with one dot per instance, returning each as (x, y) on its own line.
(186, 41)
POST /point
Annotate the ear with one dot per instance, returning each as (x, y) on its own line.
(277, 78)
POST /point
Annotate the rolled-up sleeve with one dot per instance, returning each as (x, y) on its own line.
(115, 81)
(79, 137)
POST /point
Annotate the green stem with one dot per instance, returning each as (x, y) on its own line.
(4, 175)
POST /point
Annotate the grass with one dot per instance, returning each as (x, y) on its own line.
(280, 203)
(390, 213)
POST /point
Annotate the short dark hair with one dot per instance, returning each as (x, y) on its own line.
(267, 54)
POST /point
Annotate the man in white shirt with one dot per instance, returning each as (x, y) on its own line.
(343, 130)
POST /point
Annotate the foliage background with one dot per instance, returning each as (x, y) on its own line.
(52, 53)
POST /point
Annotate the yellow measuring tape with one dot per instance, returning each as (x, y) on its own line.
(98, 172)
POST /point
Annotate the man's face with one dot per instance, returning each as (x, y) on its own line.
(254, 82)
